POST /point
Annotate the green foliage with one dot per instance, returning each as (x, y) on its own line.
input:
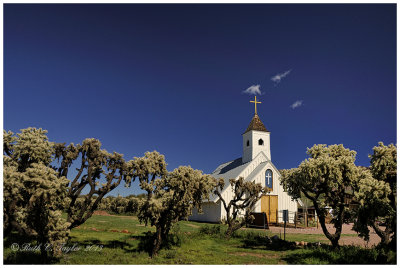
(95, 164)
(28, 147)
(171, 254)
(33, 193)
(342, 255)
(326, 178)
(46, 193)
(120, 205)
(211, 230)
(171, 196)
(384, 163)
(377, 194)
(13, 200)
(238, 209)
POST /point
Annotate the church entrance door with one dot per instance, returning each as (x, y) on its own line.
(269, 205)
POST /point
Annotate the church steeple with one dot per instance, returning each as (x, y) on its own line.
(256, 124)
(255, 138)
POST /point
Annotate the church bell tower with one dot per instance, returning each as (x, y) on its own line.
(256, 138)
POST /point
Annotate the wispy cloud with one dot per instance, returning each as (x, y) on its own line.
(296, 104)
(253, 90)
(277, 78)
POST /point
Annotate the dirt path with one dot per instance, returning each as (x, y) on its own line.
(101, 213)
(105, 213)
(192, 225)
(344, 240)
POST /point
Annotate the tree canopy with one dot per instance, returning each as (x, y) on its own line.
(33, 193)
(171, 196)
(37, 188)
(325, 178)
(238, 209)
(96, 165)
(376, 194)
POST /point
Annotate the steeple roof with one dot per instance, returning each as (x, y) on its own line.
(256, 124)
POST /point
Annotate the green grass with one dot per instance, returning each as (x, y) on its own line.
(195, 243)
(343, 255)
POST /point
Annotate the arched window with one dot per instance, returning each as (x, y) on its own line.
(268, 178)
(248, 143)
(260, 142)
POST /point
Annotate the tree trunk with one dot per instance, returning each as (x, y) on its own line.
(229, 232)
(384, 235)
(334, 239)
(157, 241)
(43, 252)
(233, 227)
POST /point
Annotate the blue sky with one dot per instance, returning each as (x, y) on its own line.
(172, 78)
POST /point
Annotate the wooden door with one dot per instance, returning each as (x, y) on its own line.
(269, 205)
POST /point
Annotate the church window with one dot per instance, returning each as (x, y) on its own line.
(260, 142)
(248, 142)
(268, 178)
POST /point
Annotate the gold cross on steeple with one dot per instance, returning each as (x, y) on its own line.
(255, 103)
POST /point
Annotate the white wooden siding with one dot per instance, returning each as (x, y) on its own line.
(211, 213)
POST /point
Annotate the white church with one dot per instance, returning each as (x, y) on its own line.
(254, 165)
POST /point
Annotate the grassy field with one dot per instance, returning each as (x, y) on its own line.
(122, 240)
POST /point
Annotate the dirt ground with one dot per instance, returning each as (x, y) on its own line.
(102, 213)
(344, 240)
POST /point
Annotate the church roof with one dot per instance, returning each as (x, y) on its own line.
(227, 171)
(232, 169)
(256, 124)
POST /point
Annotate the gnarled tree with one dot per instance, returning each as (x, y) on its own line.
(119, 204)
(33, 193)
(171, 196)
(326, 178)
(96, 166)
(43, 214)
(99, 171)
(238, 209)
(377, 195)
(20, 151)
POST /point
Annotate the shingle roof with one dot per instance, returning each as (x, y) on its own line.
(256, 124)
(227, 171)
(232, 169)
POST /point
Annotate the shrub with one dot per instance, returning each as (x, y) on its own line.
(171, 254)
(211, 230)
(342, 255)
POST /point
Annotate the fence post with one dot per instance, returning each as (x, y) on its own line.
(264, 220)
(306, 218)
(295, 220)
